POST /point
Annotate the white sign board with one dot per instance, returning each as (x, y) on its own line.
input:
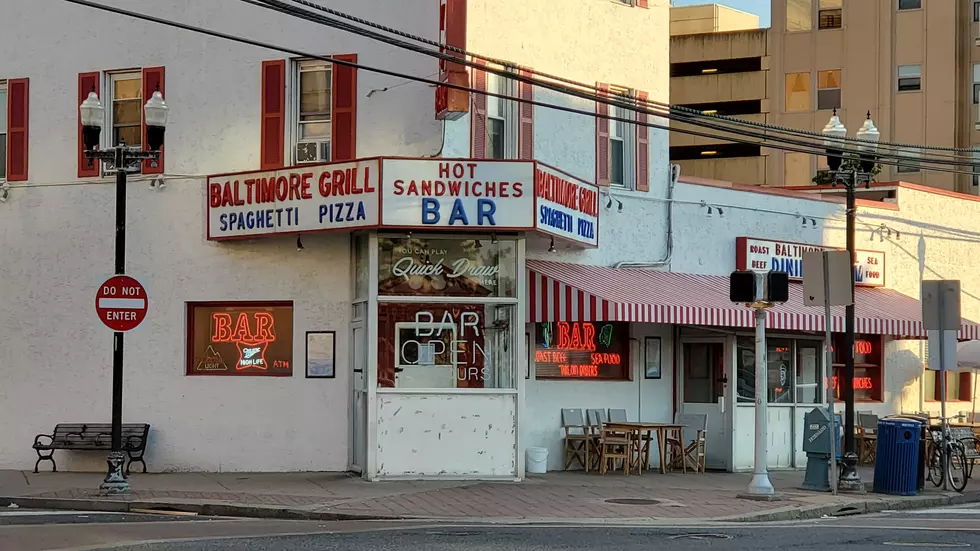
(566, 206)
(293, 200)
(941, 304)
(763, 255)
(949, 355)
(444, 193)
(839, 277)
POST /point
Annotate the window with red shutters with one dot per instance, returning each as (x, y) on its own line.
(642, 146)
(153, 81)
(87, 83)
(526, 139)
(272, 152)
(18, 114)
(478, 118)
(602, 137)
(642, 4)
(344, 106)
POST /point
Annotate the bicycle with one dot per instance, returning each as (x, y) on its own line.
(947, 459)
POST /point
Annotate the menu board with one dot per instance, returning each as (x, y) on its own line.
(582, 350)
(240, 338)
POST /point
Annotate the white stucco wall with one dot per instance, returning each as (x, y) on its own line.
(56, 238)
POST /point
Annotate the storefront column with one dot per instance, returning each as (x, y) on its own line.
(371, 471)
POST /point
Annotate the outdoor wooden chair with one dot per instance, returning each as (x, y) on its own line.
(576, 438)
(596, 419)
(616, 446)
(680, 453)
(867, 438)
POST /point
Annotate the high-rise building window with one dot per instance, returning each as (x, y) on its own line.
(828, 89)
(797, 91)
(830, 14)
(909, 78)
(799, 15)
(976, 11)
(976, 82)
(909, 4)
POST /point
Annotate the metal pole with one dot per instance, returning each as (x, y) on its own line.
(849, 480)
(115, 481)
(829, 363)
(760, 484)
(942, 385)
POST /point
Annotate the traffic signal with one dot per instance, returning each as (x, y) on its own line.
(742, 287)
(777, 287)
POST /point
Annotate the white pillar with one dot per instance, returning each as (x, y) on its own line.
(760, 484)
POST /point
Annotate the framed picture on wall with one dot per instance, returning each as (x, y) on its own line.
(321, 350)
(651, 357)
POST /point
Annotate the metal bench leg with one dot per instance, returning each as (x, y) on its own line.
(49, 457)
(138, 459)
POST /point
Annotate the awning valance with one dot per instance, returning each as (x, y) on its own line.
(559, 291)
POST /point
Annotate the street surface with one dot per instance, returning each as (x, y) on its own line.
(33, 530)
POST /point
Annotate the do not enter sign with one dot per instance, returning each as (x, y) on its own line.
(121, 303)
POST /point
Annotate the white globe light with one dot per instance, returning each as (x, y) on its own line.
(91, 111)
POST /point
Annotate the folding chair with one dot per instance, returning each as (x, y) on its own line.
(576, 438)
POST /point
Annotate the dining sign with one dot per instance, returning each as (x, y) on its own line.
(763, 255)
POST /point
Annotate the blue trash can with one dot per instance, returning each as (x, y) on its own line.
(897, 457)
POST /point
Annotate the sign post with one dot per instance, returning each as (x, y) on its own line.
(828, 284)
(941, 313)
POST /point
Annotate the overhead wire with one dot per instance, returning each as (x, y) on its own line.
(803, 148)
(969, 152)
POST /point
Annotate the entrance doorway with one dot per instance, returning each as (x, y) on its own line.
(704, 390)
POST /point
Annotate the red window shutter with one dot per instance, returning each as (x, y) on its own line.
(478, 119)
(153, 80)
(642, 145)
(18, 111)
(642, 4)
(87, 83)
(602, 137)
(526, 138)
(343, 146)
(273, 114)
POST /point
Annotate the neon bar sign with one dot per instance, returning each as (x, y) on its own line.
(579, 349)
(252, 345)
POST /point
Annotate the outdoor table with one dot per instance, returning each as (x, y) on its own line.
(638, 428)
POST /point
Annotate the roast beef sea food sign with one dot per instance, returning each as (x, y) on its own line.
(762, 255)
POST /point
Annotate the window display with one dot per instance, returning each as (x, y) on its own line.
(240, 338)
(868, 371)
(582, 350)
(477, 268)
(794, 369)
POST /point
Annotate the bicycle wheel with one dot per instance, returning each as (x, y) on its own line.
(957, 466)
(936, 470)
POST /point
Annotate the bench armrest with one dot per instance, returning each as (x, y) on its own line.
(134, 442)
(37, 440)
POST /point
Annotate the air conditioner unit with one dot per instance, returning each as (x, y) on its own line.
(313, 152)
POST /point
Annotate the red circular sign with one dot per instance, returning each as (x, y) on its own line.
(121, 303)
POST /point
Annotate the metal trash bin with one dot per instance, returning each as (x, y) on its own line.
(897, 457)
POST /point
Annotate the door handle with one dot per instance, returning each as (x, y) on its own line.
(399, 369)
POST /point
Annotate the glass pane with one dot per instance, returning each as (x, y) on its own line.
(905, 71)
(798, 92)
(241, 339)
(446, 346)
(128, 89)
(3, 155)
(309, 130)
(362, 270)
(828, 99)
(3, 110)
(745, 369)
(582, 350)
(799, 15)
(808, 376)
(314, 92)
(616, 162)
(828, 79)
(909, 4)
(127, 112)
(779, 357)
(703, 368)
(495, 140)
(976, 76)
(830, 19)
(447, 267)
(494, 107)
(129, 135)
(831, 4)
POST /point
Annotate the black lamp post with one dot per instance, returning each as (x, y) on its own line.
(850, 177)
(121, 160)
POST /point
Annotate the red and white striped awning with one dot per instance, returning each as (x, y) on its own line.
(559, 291)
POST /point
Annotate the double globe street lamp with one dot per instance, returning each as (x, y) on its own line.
(851, 171)
(121, 160)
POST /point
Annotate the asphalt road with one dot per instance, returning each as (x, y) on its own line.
(938, 529)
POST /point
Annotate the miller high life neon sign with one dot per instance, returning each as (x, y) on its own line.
(251, 337)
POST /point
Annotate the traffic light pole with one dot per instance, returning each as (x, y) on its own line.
(760, 485)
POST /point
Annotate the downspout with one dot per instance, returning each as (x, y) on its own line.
(675, 173)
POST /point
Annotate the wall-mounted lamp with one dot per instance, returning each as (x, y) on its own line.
(157, 184)
(4, 192)
(493, 238)
(552, 248)
(299, 243)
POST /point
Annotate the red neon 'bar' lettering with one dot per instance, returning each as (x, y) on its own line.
(222, 327)
(263, 327)
(576, 336)
(242, 331)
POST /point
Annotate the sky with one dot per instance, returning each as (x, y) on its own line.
(758, 7)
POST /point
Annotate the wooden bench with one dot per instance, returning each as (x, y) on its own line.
(91, 436)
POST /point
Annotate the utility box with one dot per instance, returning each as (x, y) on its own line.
(817, 433)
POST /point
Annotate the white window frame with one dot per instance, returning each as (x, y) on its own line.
(899, 77)
(910, 166)
(108, 99)
(4, 128)
(506, 110)
(293, 104)
(628, 138)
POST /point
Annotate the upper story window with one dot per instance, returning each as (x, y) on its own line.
(830, 14)
(976, 11)
(313, 124)
(126, 115)
(502, 118)
(799, 15)
(909, 78)
(3, 129)
(909, 4)
(622, 142)
(828, 89)
(797, 91)
(976, 83)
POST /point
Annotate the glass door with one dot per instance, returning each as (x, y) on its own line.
(705, 385)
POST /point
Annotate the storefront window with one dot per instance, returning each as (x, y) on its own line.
(240, 338)
(793, 366)
(413, 266)
(704, 370)
(808, 371)
(446, 345)
(582, 350)
(959, 386)
(868, 370)
(362, 268)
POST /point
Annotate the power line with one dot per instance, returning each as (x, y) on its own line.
(807, 148)
(593, 88)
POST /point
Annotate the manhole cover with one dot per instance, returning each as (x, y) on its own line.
(633, 501)
(702, 537)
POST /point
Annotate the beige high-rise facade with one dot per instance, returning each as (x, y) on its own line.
(914, 64)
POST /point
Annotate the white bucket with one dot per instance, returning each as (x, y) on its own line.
(537, 460)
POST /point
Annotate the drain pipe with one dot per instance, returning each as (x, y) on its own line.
(675, 174)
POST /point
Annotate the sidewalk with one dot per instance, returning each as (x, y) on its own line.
(555, 497)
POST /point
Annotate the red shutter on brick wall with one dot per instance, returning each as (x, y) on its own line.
(343, 145)
(87, 83)
(602, 137)
(642, 4)
(153, 80)
(642, 145)
(18, 111)
(273, 114)
(526, 138)
(478, 118)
